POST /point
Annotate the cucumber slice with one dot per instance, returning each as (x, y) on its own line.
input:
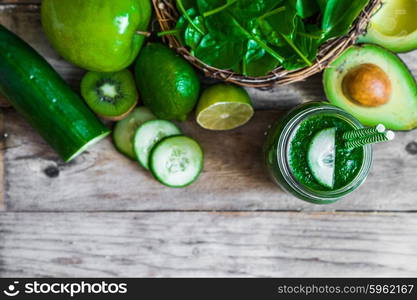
(125, 129)
(176, 161)
(148, 135)
(321, 156)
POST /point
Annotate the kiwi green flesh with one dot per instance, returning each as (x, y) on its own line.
(110, 95)
(109, 90)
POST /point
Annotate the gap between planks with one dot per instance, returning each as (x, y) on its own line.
(20, 2)
(215, 211)
(380, 193)
(2, 147)
(207, 244)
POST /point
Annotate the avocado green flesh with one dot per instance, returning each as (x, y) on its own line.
(394, 26)
(97, 35)
(400, 112)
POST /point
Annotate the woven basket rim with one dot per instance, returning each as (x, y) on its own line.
(167, 16)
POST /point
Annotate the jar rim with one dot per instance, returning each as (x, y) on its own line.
(284, 164)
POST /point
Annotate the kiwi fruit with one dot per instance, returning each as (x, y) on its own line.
(110, 95)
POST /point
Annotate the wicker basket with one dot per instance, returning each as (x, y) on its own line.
(167, 16)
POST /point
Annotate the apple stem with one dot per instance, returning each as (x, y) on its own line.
(145, 33)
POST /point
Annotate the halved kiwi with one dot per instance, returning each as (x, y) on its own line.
(110, 95)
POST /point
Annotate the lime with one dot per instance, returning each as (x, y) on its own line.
(224, 107)
(167, 83)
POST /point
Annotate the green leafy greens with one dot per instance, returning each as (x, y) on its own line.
(254, 37)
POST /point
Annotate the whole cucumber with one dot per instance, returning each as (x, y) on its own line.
(45, 100)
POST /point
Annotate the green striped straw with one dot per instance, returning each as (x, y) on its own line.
(372, 139)
(364, 132)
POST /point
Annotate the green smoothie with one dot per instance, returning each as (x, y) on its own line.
(307, 154)
(347, 161)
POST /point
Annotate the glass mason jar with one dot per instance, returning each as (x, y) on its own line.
(277, 147)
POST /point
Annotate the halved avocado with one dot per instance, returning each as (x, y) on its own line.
(394, 26)
(374, 85)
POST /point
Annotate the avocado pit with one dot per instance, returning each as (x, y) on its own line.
(367, 85)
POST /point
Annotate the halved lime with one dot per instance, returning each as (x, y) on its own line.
(224, 107)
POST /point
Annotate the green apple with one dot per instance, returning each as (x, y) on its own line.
(97, 35)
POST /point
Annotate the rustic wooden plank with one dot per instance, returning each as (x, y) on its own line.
(207, 244)
(233, 178)
(102, 179)
(2, 147)
(4, 102)
(3, 2)
(18, 18)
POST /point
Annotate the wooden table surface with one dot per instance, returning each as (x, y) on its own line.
(102, 215)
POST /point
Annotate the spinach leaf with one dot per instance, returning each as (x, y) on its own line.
(253, 52)
(222, 27)
(322, 5)
(339, 16)
(256, 61)
(187, 4)
(280, 30)
(208, 5)
(282, 19)
(249, 9)
(221, 8)
(192, 37)
(221, 54)
(299, 49)
(262, 66)
(307, 41)
(237, 68)
(187, 16)
(255, 36)
(307, 8)
(182, 24)
(251, 36)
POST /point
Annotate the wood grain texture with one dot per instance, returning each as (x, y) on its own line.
(62, 240)
(24, 2)
(207, 244)
(4, 102)
(2, 148)
(233, 179)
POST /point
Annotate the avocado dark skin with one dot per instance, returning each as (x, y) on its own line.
(167, 83)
